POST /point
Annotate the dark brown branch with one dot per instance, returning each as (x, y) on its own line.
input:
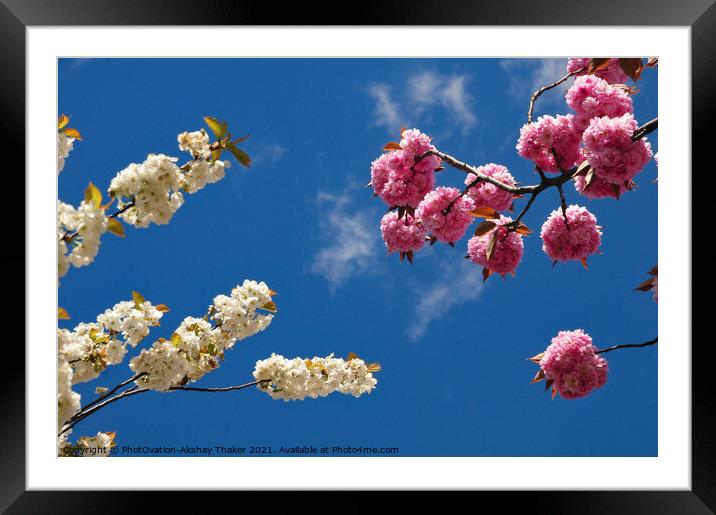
(106, 395)
(224, 389)
(541, 90)
(645, 129)
(96, 406)
(629, 346)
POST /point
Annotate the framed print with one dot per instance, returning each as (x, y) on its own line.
(439, 252)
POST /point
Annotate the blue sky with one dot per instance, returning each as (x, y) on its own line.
(455, 381)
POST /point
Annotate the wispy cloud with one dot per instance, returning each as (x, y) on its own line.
(422, 93)
(386, 110)
(268, 153)
(528, 75)
(351, 240)
(456, 284)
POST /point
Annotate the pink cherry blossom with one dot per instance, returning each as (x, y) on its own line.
(402, 235)
(538, 139)
(488, 195)
(396, 183)
(572, 364)
(399, 178)
(599, 188)
(591, 97)
(612, 73)
(445, 213)
(610, 150)
(508, 248)
(576, 240)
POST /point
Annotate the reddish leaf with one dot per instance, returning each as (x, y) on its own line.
(537, 358)
(523, 229)
(491, 246)
(485, 212)
(654, 270)
(538, 377)
(484, 227)
(486, 272)
(392, 145)
(646, 285)
(584, 263)
(597, 63)
(632, 66)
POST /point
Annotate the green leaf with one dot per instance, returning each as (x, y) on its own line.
(241, 156)
(218, 127)
(115, 227)
(93, 195)
(175, 339)
(138, 298)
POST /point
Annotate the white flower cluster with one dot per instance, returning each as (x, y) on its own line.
(201, 173)
(153, 186)
(64, 147)
(90, 348)
(196, 348)
(298, 378)
(68, 402)
(196, 142)
(89, 222)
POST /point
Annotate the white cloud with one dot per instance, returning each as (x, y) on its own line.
(386, 110)
(422, 92)
(268, 152)
(351, 238)
(457, 284)
(528, 75)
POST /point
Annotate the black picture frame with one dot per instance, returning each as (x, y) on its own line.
(699, 15)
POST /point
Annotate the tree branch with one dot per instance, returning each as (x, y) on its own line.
(629, 346)
(97, 405)
(541, 90)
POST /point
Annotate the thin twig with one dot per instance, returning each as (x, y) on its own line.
(541, 90)
(224, 389)
(629, 346)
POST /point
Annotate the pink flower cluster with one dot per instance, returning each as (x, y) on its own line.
(572, 364)
(592, 97)
(612, 73)
(398, 179)
(488, 195)
(600, 188)
(610, 150)
(446, 213)
(402, 234)
(508, 249)
(576, 240)
(537, 139)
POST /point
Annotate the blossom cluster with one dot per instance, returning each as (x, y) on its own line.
(153, 189)
(86, 351)
(402, 234)
(64, 147)
(89, 222)
(508, 248)
(591, 97)
(398, 177)
(90, 347)
(197, 346)
(610, 150)
(612, 72)
(298, 378)
(445, 212)
(572, 365)
(551, 142)
(486, 194)
(575, 238)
